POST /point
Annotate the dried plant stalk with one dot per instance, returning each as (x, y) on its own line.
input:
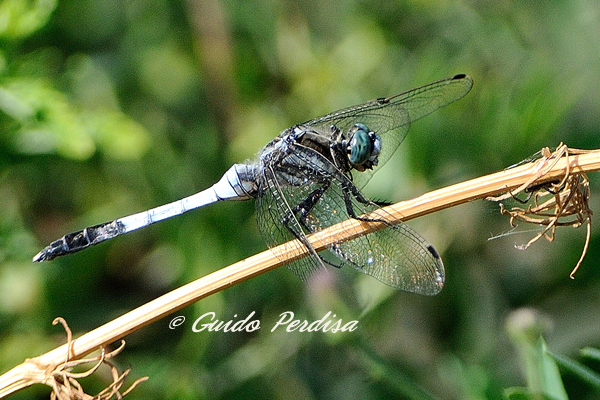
(32, 370)
(567, 205)
(64, 382)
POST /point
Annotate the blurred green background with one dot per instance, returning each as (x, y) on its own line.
(109, 108)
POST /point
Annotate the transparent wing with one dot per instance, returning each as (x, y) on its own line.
(277, 223)
(391, 117)
(397, 255)
(305, 193)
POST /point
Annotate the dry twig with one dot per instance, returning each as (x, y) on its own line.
(64, 382)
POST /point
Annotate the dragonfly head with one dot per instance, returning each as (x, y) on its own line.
(363, 148)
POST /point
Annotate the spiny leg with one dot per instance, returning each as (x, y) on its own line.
(303, 210)
(349, 191)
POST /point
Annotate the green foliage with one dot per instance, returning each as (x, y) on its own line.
(55, 105)
(543, 377)
(109, 108)
(582, 371)
(20, 19)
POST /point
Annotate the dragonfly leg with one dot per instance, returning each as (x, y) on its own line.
(381, 203)
(304, 208)
(301, 212)
(348, 189)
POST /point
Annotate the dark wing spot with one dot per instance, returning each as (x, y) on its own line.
(433, 252)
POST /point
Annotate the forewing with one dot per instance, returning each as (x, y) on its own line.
(391, 117)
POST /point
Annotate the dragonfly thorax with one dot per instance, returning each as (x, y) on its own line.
(363, 147)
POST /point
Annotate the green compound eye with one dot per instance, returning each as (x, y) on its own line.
(361, 144)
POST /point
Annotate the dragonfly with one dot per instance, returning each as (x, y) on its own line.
(309, 178)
